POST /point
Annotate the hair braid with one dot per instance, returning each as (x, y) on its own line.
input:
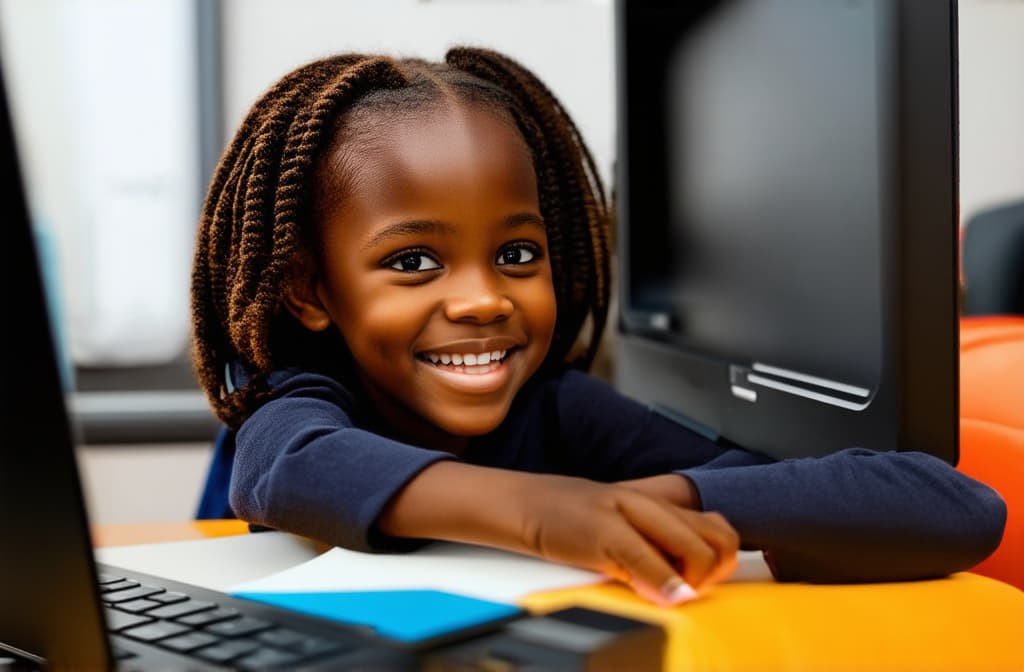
(252, 222)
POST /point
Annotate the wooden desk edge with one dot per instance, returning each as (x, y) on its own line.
(124, 534)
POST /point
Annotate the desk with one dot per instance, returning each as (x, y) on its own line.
(964, 622)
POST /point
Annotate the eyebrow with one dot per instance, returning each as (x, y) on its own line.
(421, 226)
(525, 219)
(400, 229)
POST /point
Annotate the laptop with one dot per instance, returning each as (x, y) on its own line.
(61, 610)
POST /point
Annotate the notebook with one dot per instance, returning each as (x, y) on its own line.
(59, 608)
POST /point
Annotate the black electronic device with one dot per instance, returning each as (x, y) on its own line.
(570, 640)
(787, 191)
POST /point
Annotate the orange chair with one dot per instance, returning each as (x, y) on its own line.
(992, 427)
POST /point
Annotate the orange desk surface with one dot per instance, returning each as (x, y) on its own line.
(964, 622)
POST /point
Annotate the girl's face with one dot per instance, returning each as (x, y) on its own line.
(435, 270)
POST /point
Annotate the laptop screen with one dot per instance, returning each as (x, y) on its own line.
(50, 605)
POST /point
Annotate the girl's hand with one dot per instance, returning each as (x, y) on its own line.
(664, 551)
(630, 531)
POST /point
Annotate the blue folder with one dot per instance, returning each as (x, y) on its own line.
(408, 616)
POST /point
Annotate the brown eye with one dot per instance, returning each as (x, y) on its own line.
(413, 262)
(516, 254)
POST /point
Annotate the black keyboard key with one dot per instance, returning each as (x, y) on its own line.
(182, 609)
(267, 659)
(281, 637)
(117, 585)
(189, 642)
(305, 645)
(227, 651)
(169, 597)
(130, 594)
(108, 578)
(137, 606)
(315, 646)
(158, 630)
(227, 635)
(208, 617)
(239, 627)
(119, 620)
(120, 653)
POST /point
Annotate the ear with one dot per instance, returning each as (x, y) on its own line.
(302, 298)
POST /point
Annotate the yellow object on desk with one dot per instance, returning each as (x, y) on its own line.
(964, 622)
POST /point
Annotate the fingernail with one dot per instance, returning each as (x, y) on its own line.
(676, 591)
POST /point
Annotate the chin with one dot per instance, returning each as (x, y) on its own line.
(470, 430)
(481, 423)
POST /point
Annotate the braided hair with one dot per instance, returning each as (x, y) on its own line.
(259, 216)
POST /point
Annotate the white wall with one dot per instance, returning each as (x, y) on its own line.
(143, 483)
(102, 98)
(991, 103)
(567, 43)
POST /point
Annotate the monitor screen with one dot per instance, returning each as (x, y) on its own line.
(787, 199)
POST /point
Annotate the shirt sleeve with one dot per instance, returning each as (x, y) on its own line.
(302, 466)
(855, 515)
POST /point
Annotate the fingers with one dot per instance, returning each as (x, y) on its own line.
(637, 562)
(665, 552)
(716, 531)
(729, 556)
(703, 546)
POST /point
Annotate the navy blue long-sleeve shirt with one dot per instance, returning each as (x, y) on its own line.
(317, 462)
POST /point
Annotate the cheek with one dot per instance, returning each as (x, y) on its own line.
(374, 322)
(387, 325)
(542, 312)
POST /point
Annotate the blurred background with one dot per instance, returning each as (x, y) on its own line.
(122, 108)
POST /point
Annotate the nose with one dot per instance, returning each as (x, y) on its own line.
(477, 299)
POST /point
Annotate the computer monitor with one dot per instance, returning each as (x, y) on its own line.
(787, 192)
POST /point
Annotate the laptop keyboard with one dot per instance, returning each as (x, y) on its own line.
(219, 634)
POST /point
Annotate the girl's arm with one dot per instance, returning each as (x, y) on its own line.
(301, 466)
(853, 516)
(856, 515)
(661, 550)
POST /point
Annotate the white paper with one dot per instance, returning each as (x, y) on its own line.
(474, 571)
(751, 566)
(280, 562)
(216, 563)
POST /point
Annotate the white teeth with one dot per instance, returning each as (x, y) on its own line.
(469, 359)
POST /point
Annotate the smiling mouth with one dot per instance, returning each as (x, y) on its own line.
(469, 362)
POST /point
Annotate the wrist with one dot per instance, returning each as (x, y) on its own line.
(689, 493)
(674, 487)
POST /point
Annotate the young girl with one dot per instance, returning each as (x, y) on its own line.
(402, 269)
